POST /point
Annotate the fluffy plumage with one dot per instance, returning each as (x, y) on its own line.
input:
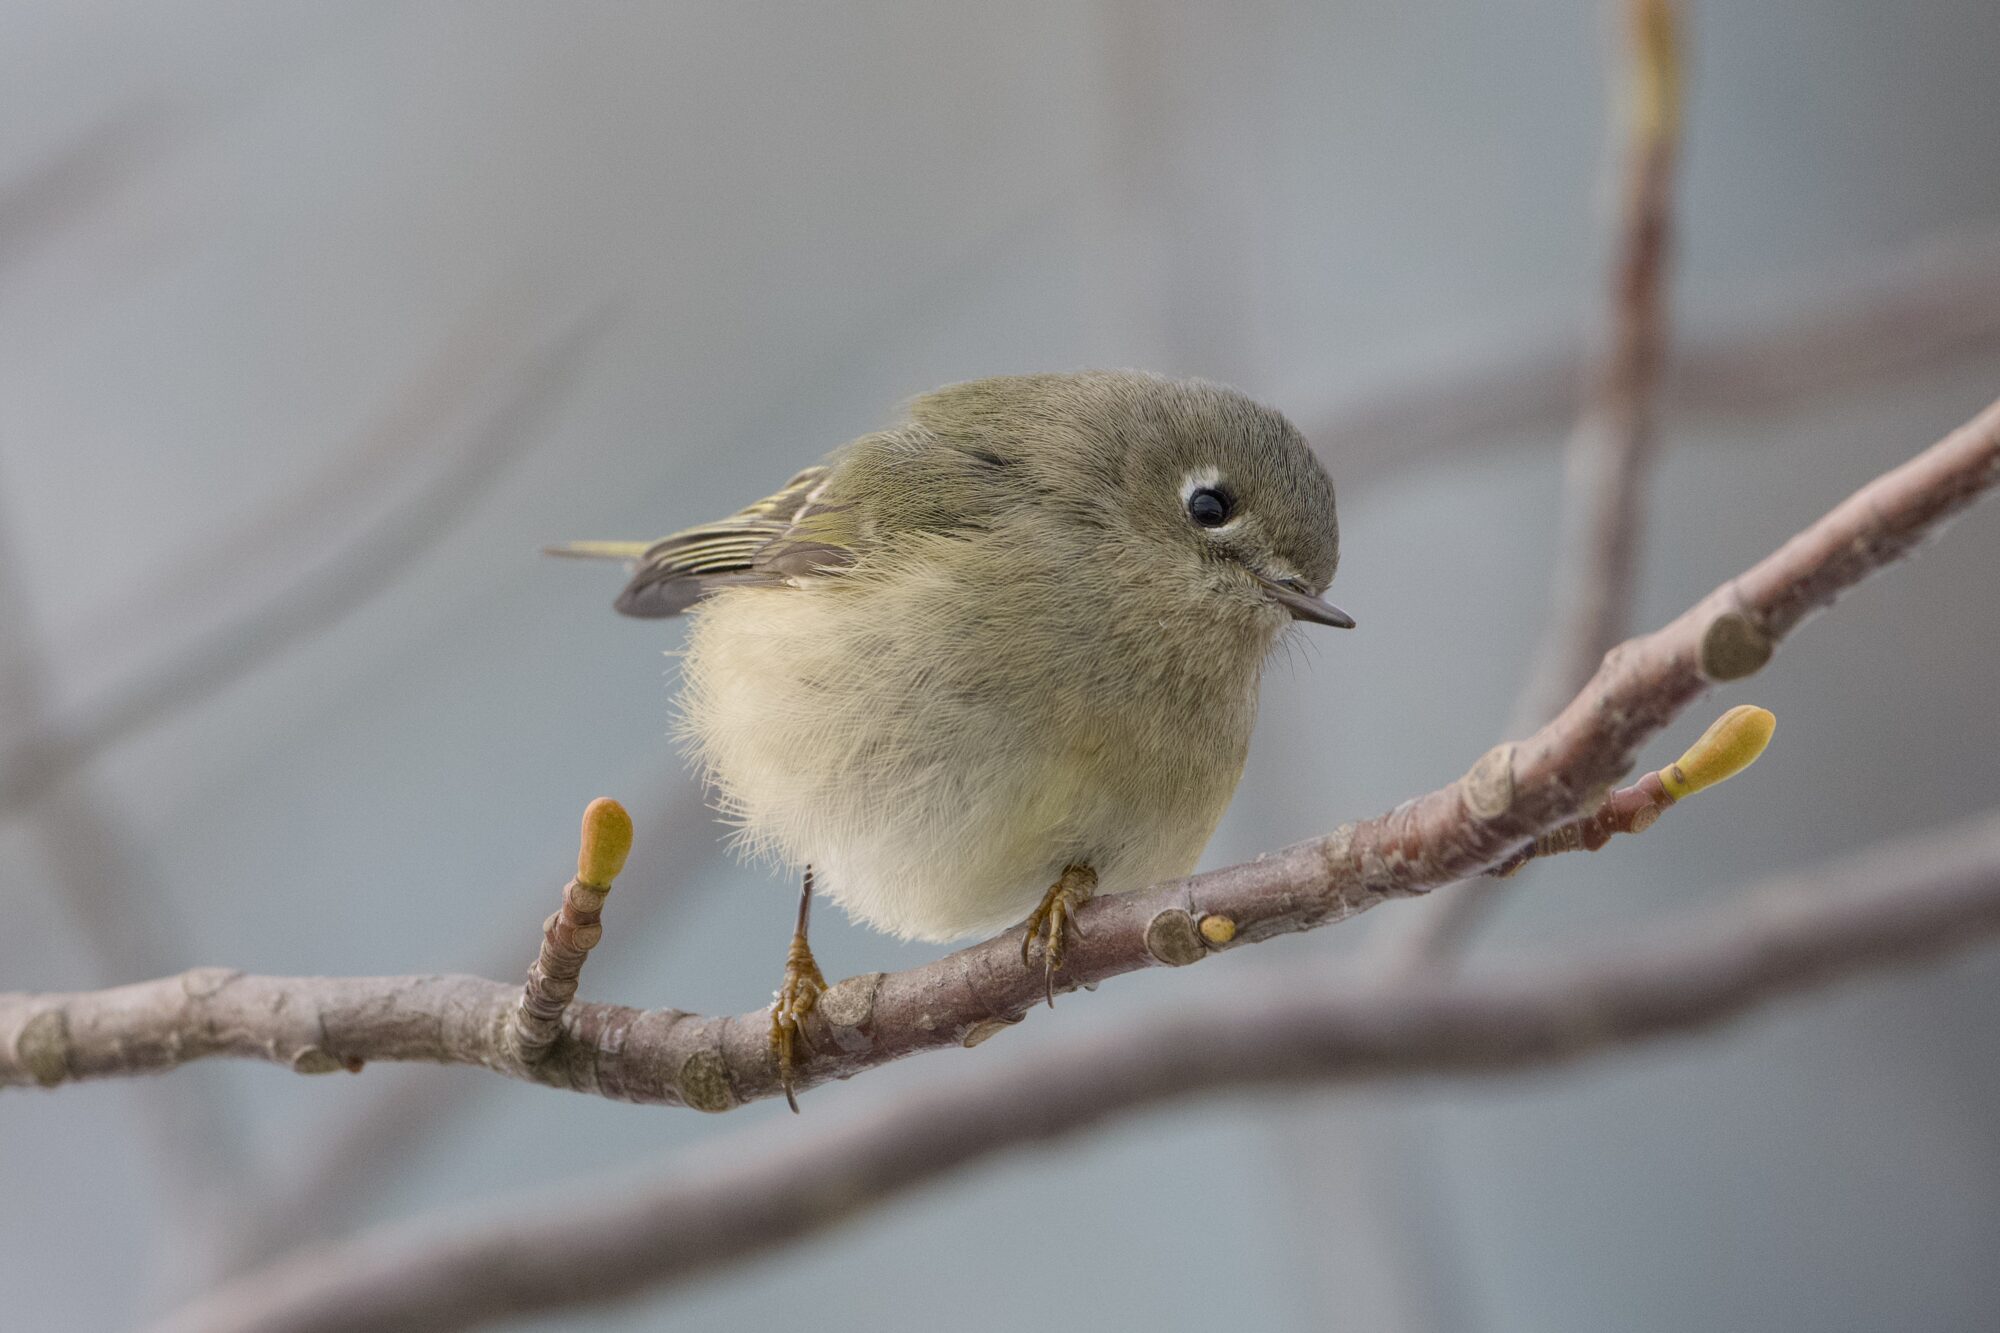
(991, 642)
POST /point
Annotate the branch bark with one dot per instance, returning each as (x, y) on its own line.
(1510, 796)
(1894, 904)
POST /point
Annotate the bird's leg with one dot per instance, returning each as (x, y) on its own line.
(796, 997)
(1054, 921)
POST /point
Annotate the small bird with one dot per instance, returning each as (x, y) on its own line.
(999, 658)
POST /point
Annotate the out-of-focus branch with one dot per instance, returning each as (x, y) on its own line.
(1611, 448)
(1513, 794)
(98, 880)
(411, 433)
(1613, 443)
(1839, 332)
(1898, 903)
(323, 593)
(82, 175)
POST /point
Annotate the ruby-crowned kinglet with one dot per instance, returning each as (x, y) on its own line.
(1004, 654)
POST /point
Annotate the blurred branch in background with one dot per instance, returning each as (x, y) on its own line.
(101, 885)
(97, 876)
(1609, 455)
(1611, 448)
(42, 755)
(1897, 903)
(410, 433)
(1840, 332)
(1510, 796)
(530, 384)
(51, 197)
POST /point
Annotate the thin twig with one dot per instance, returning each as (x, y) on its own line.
(571, 932)
(1510, 796)
(1896, 904)
(1730, 745)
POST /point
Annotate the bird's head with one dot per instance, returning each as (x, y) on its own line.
(1194, 490)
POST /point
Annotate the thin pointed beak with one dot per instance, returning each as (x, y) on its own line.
(1303, 605)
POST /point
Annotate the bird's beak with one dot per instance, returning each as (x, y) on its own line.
(1302, 605)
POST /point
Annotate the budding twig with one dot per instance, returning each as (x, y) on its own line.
(1731, 744)
(572, 932)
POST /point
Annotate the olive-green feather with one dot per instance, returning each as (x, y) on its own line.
(954, 467)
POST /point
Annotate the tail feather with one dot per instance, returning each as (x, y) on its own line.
(599, 550)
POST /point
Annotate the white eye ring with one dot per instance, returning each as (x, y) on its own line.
(1209, 479)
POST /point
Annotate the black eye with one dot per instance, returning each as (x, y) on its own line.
(1209, 507)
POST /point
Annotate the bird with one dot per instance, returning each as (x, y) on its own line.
(978, 667)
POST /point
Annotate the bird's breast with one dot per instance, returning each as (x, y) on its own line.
(942, 746)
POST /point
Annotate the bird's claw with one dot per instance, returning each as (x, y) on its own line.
(1055, 921)
(796, 998)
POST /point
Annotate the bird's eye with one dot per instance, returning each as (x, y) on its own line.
(1209, 507)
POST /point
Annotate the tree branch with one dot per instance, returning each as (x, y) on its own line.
(1894, 904)
(570, 933)
(1510, 796)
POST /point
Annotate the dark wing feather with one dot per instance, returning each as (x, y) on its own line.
(759, 544)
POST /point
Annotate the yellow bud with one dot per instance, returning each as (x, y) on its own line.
(607, 841)
(1728, 747)
(1656, 91)
(1217, 929)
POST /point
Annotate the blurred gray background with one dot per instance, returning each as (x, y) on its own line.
(315, 320)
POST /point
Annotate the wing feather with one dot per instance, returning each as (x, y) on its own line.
(756, 545)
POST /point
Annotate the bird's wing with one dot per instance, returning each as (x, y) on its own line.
(773, 541)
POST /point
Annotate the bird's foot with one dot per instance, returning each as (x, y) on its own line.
(1055, 921)
(796, 997)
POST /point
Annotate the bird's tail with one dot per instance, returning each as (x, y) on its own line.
(599, 550)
